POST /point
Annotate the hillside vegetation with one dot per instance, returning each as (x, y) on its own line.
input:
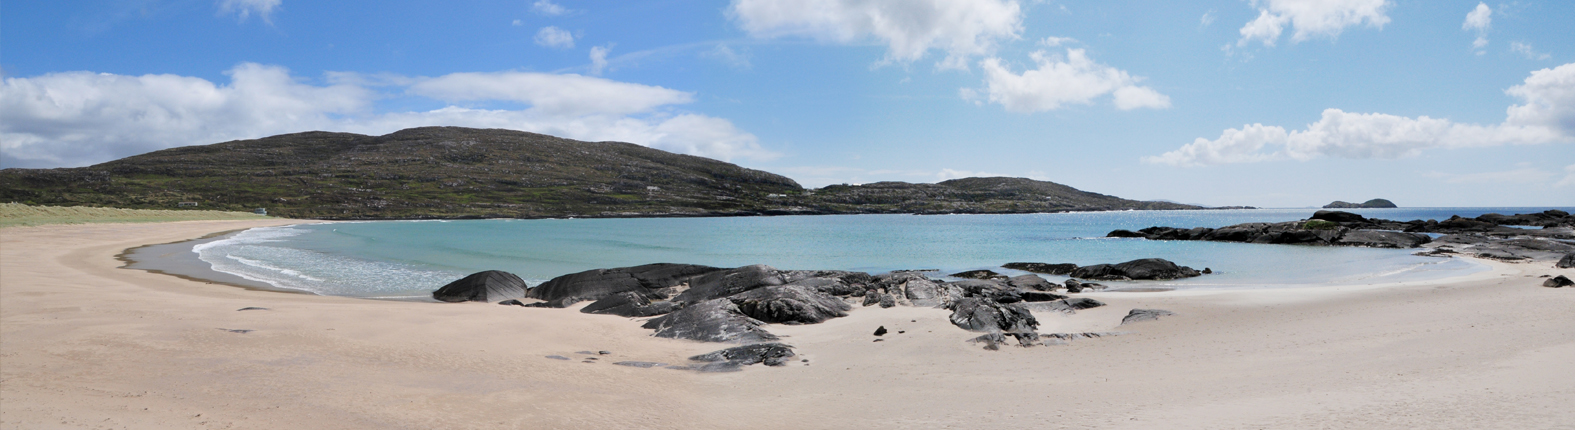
(452, 172)
(18, 215)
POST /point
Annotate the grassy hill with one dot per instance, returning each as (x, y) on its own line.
(452, 172)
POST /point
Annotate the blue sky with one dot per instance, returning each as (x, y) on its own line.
(1273, 103)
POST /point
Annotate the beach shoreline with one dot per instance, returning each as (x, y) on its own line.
(88, 344)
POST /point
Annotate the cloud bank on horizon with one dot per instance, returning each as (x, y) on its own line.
(1546, 115)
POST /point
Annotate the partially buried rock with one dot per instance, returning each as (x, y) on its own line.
(1567, 262)
(1558, 282)
(716, 320)
(789, 304)
(1138, 315)
(1141, 269)
(489, 286)
(512, 302)
(880, 331)
(772, 354)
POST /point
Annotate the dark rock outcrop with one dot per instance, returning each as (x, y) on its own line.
(1139, 315)
(651, 280)
(724, 283)
(982, 314)
(1045, 268)
(1337, 216)
(1383, 239)
(1031, 282)
(979, 274)
(789, 304)
(1141, 269)
(717, 320)
(629, 304)
(1567, 262)
(1558, 282)
(487, 286)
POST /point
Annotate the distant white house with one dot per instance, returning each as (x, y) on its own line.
(260, 211)
(185, 204)
(652, 188)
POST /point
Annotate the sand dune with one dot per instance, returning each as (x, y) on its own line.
(85, 344)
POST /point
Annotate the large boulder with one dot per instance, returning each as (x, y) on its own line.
(1338, 216)
(651, 280)
(724, 283)
(629, 304)
(789, 304)
(1567, 262)
(488, 286)
(717, 320)
(1045, 268)
(913, 288)
(1143, 269)
(979, 274)
(1383, 239)
(1031, 282)
(985, 315)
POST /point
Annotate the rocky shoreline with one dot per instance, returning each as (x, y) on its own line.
(737, 305)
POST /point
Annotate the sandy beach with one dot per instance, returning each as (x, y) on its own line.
(87, 344)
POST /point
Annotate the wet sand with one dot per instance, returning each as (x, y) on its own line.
(87, 344)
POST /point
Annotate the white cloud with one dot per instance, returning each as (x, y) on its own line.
(1073, 79)
(81, 118)
(1523, 175)
(1526, 50)
(1207, 19)
(554, 37)
(551, 94)
(599, 58)
(1569, 177)
(1311, 18)
(547, 7)
(245, 8)
(1546, 115)
(728, 56)
(1479, 19)
(518, 23)
(947, 174)
(1053, 41)
(909, 28)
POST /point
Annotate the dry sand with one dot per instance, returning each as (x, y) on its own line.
(85, 344)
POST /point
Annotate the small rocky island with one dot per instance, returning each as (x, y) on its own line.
(711, 304)
(1370, 204)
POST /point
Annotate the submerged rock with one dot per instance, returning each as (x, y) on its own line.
(789, 304)
(717, 320)
(488, 286)
(1045, 268)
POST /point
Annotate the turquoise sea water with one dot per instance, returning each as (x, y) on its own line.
(409, 259)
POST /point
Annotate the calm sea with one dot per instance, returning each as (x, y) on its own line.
(409, 259)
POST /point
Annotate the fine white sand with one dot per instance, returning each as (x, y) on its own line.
(85, 344)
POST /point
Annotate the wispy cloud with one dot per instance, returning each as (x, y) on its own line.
(554, 37)
(548, 8)
(245, 8)
(963, 29)
(1479, 19)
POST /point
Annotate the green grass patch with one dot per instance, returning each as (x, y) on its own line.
(18, 215)
(1319, 224)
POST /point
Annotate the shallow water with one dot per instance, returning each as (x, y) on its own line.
(406, 259)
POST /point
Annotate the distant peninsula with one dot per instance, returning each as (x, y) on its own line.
(1374, 203)
(453, 172)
